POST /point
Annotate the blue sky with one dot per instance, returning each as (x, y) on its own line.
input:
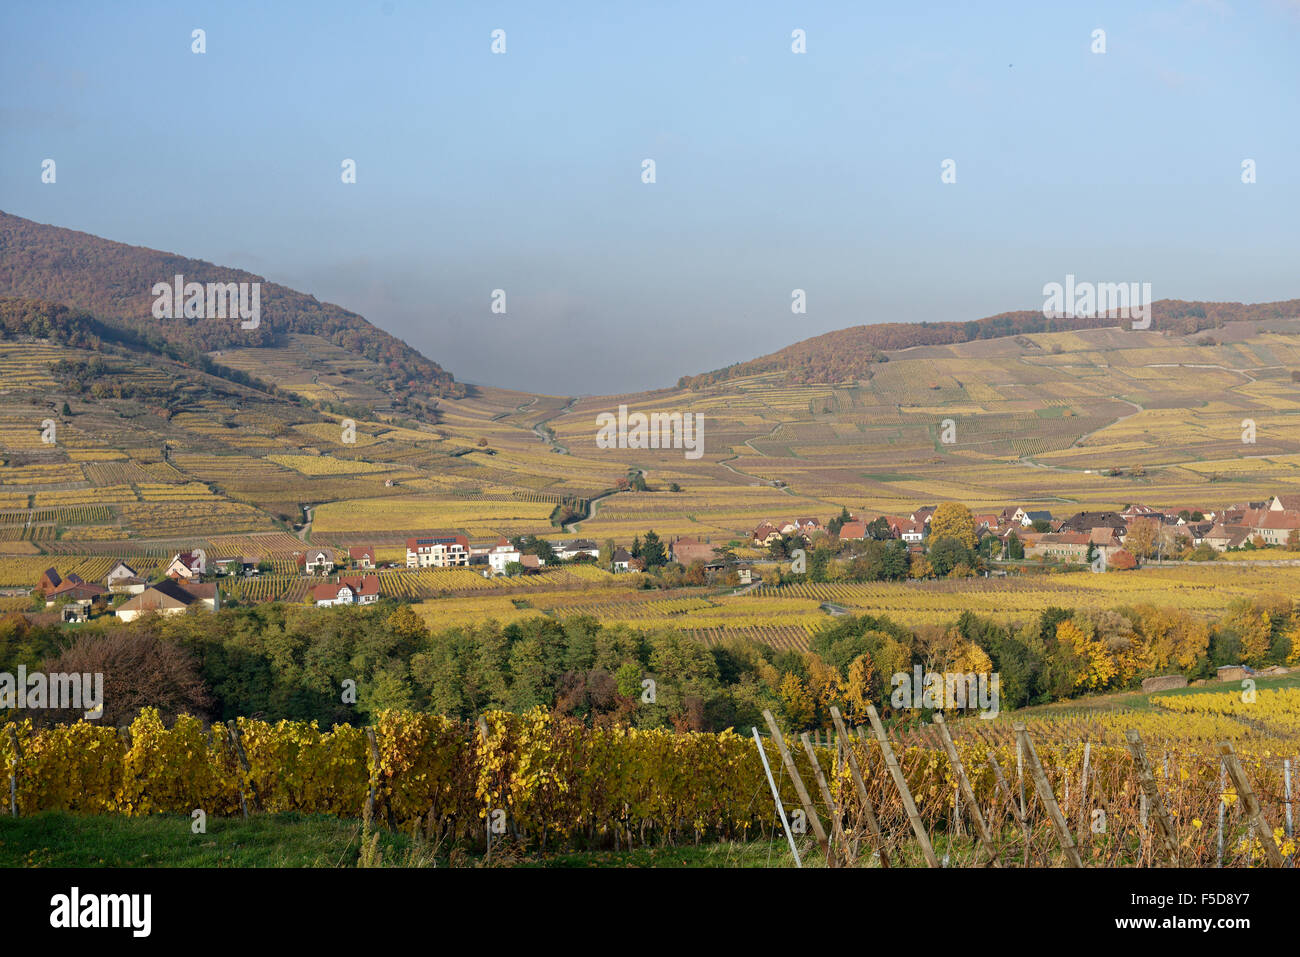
(775, 171)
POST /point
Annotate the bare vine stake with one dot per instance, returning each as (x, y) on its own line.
(1164, 823)
(867, 809)
(808, 809)
(487, 823)
(1223, 805)
(1083, 788)
(963, 785)
(900, 782)
(13, 770)
(1044, 788)
(837, 832)
(1250, 804)
(243, 763)
(1286, 774)
(1020, 778)
(776, 796)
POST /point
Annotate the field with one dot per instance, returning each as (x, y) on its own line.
(1037, 419)
(627, 791)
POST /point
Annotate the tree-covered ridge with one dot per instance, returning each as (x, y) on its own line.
(847, 355)
(113, 281)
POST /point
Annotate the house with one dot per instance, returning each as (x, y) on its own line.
(1139, 511)
(923, 515)
(50, 580)
(119, 571)
(853, 531)
(807, 526)
(170, 597)
(444, 550)
(1027, 517)
(1087, 521)
(531, 563)
(767, 533)
(1060, 546)
(1106, 540)
(362, 556)
(73, 590)
(502, 554)
(128, 586)
(318, 561)
(348, 590)
(912, 531)
(187, 566)
(1275, 527)
(686, 550)
(1223, 537)
(577, 548)
(244, 565)
(622, 560)
(1284, 503)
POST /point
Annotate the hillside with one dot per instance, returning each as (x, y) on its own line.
(847, 355)
(113, 282)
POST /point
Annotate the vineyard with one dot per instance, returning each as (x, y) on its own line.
(560, 783)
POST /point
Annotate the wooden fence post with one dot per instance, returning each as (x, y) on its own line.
(1048, 799)
(238, 745)
(900, 782)
(1250, 804)
(13, 770)
(868, 811)
(967, 791)
(776, 796)
(837, 832)
(809, 811)
(1164, 823)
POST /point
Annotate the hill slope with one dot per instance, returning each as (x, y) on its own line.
(847, 355)
(113, 281)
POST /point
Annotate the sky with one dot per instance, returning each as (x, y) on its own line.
(774, 170)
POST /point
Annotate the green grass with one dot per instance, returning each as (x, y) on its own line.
(294, 840)
(1141, 701)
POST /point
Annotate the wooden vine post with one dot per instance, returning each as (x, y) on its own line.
(900, 782)
(1048, 799)
(968, 792)
(1165, 833)
(837, 833)
(868, 811)
(1250, 804)
(804, 799)
(17, 749)
(237, 743)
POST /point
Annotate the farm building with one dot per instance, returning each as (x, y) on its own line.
(170, 597)
(448, 550)
(348, 590)
(362, 556)
(318, 561)
(188, 566)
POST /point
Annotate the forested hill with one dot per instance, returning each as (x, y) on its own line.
(113, 281)
(847, 355)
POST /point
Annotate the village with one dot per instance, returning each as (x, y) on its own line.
(1118, 540)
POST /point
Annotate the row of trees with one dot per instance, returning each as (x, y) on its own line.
(287, 661)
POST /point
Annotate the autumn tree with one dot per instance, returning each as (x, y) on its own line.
(1141, 537)
(140, 669)
(953, 520)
